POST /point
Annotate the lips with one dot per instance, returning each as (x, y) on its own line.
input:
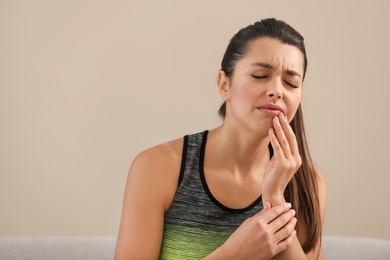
(270, 109)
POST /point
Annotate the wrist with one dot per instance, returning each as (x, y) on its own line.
(274, 199)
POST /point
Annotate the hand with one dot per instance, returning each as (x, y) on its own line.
(284, 163)
(262, 236)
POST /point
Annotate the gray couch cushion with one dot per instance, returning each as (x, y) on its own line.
(57, 248)
(356, 248)
(102, 248)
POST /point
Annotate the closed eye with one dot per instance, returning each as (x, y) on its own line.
(259, 77)
(291, 85)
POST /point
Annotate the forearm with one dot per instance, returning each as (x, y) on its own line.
(274, 199)
(219, 254)
(293, 252)
(261, 236)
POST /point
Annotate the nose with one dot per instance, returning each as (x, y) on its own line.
(275, 89)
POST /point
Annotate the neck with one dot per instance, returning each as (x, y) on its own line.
(238, 152)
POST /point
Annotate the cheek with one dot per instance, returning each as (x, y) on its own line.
(242, 93)
(293, 107)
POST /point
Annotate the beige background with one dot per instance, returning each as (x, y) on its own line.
(86, 85)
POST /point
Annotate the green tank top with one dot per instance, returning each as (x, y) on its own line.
(196, 223)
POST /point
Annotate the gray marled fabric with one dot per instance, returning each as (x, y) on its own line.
(193, 201)
(196, 223)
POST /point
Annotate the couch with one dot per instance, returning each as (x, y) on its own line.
(102, 248)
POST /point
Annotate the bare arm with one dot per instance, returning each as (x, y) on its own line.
(295, 251)
(260, 237)
(150, 187)
(281, 169)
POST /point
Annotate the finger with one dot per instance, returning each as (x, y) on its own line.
(272, 213)
(284, 244)
(277, 148)
(289, 134)
(280, 135)
(267, 205)
(281, 221)
(278, 151)
(286, 230)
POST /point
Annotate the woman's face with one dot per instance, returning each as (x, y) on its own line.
(265, 82)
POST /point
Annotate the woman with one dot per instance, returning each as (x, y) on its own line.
(226, 193)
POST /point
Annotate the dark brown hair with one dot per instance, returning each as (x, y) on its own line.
(303, 186)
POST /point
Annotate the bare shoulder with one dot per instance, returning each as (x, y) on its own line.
(151, 185)
(164, 154)
(158, 168)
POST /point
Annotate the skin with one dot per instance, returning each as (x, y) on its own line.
(237, 164)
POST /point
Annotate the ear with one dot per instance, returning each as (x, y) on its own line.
(223, 85)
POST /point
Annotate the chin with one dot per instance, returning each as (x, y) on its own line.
(262, 128)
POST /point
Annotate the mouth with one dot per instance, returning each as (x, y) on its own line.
(270, 109)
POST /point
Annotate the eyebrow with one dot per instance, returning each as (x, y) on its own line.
(270, 67)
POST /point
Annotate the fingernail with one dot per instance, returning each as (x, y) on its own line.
(288, 205)
(277, 120)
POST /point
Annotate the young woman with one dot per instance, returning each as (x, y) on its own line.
(246, 189)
